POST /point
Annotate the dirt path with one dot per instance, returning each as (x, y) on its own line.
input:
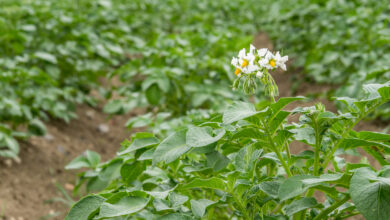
(27, 185)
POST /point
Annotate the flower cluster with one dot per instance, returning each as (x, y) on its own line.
(256, 64)
(257, 61)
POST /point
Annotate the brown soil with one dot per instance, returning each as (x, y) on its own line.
(28, 185)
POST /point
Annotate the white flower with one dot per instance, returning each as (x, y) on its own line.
(281, 61)
(268, 61)
(259, 74)
(245, 62)
(262, 52)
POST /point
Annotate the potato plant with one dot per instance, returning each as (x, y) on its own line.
(238, 165)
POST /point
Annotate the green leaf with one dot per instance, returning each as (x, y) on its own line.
(212, 183)
(78, 163)
(139, 143)
(282, 102)
(130, 172)
(371, 194)
(171, 148)
(46, 57)
(198, 207)
(111, 171)
(385, 92)
(177, 199)
(84, 208)
(304, 134)
(175, 216)
(201, 136)
(114, 107)
(279, 118)
(299, 205)
(297, 185)
(271, 188)
(355, 142)
(373, 136)
(36, 127)
(93, 158)
(238, 111)
(217, 160)
(292, 187)
(153, 94)
(125, 206)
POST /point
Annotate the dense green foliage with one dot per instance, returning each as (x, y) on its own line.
(53, 52)
(346, 43)
(235, 164)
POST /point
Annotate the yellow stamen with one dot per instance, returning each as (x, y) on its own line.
(244, 63)
(237, 71)
(272, 63)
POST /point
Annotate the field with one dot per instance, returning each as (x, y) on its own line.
(117, 109)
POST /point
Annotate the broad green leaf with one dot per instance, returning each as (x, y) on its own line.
(212, 183)
(125, 206)
(292, 187)
(217, 160)
(171, 148)
(78, 163)
(36, 127)
(271, 188)
(371, 194)
(279, 118)
(140, 143)
(201, 136)
(130, 172)
(198, 207)
(153, 94)
(304, 134)
(85, 207)
(282, 102)
(177, 199)
(175, 216)
(161, 205)
(238, 111)
(323, 179)
(111, 170)
(299, 205)
(355, 142)
(385, 92)
(93, 158)
(373, 136)
(46, 56)
(114, 107)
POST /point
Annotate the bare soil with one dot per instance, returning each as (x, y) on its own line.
(28, 185)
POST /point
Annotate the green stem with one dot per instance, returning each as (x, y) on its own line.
(325, 212)
(317, 151)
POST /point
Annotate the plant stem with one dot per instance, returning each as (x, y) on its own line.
(325, 212)
(317, 151)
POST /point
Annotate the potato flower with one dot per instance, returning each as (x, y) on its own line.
(245, 62)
